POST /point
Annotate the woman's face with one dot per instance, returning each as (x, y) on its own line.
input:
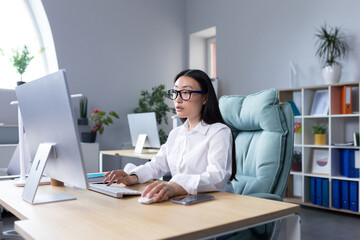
(190, 109)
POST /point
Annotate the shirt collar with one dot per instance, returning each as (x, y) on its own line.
(202, 127)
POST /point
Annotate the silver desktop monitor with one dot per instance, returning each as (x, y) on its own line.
(143, 131)
(52, 136)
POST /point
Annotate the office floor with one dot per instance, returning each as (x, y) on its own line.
(324, 224)
(315, 224)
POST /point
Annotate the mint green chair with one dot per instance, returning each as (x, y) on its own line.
(263, 136)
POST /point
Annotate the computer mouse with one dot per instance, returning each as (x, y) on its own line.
(146, 200)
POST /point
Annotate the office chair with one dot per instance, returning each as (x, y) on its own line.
(263, 136)
(11, 172)
(11, 234)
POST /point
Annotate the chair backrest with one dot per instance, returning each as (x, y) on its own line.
(263, 136)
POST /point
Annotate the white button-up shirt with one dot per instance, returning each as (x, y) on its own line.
(199, 160)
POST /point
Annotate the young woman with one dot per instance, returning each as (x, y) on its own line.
(199, 154)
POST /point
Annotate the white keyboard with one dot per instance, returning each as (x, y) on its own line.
(113, 191)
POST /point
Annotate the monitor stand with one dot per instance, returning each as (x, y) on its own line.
(20, 182)
(140, 143)
(43, 153)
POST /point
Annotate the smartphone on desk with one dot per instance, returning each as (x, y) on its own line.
(191, 199)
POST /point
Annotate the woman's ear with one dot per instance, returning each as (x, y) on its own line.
(205, 99)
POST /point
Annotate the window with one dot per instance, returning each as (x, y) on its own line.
(202, 51)
(211, 56)
(19, 27)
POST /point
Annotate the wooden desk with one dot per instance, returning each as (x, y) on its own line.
(96, 216)
(147, 155)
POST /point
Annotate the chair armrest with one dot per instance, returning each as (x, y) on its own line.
(266, 196)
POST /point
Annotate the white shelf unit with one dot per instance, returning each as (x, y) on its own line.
(340, 130)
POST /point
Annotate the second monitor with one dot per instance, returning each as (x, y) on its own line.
(143, 131)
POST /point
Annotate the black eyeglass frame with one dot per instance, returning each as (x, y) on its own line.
(172, 91)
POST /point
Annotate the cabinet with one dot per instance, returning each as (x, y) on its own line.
(341, 128)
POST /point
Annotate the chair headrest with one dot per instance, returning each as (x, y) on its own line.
(254, 112)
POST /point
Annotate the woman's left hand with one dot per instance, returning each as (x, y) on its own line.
(163, 190)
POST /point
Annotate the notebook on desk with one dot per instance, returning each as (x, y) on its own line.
(95, 178)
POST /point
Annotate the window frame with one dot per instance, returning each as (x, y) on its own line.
(41, 26)
(211, 62)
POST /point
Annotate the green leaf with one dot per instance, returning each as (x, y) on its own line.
(21, 60)
(162, 136)
(109, 119)
(331, 45)
(105, 122)
(319, 129)
(114, 114)
(83, 106)
(101, 130)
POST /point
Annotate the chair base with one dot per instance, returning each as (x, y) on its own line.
(10, 234)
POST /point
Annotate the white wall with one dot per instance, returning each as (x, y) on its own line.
(113, 49)
(197, 52)
(256, 39)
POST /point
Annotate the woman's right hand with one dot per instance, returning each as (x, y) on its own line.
(119, 176)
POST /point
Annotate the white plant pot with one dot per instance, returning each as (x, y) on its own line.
(332, 74)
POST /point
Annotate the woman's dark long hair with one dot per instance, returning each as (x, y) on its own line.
(210, 112)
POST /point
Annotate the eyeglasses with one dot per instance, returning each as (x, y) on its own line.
(184, 94)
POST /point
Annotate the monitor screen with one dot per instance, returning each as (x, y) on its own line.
(144, 123)
(48, 117)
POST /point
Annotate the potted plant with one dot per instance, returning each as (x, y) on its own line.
(155, 102)
(331, 46)
(296, 161)
(319, 132)
(99, 118)
(83, 120)
(21, 61)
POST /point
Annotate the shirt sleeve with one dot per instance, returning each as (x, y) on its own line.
(154, 169)
(218, 171)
